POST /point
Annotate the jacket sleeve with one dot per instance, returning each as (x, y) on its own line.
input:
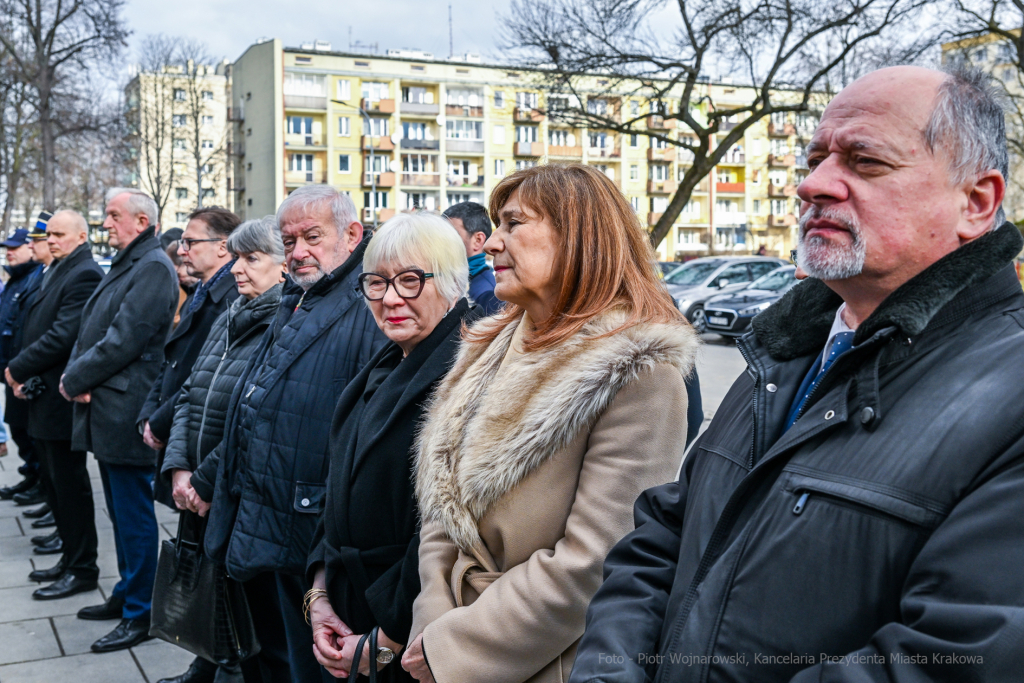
(176, 453)
(205, 476)
(536, 610)
(160, 420)
(437, 559)
(149, 406)
(391, 596)
(143, 313)
(962, 604)
(54, 347)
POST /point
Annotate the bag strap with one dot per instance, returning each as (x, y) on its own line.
(358, 655)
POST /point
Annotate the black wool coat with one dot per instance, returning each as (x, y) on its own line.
(877, 539)
(119, 350)
(51, 328)
(14, 302)
(272, 466)
(367, 537)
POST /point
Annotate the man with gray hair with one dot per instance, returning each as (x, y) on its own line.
(855, 510)
(115, 361)
(273, 461)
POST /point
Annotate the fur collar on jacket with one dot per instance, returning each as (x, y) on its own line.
(486, 431)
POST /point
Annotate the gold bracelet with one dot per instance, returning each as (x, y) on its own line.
(309, 598)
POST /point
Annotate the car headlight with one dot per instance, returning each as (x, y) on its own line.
(755, 309)
(684, 304)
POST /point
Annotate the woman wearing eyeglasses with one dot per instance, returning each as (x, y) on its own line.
(363, 566)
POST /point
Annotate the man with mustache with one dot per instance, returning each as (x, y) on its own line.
(271, 467)
(855, 510)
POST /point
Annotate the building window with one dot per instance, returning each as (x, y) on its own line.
(499, 168)
(308, 85)
(344, 89)
(779, 147)
(382, 200)
(559, 137)
(248, 166)
(179, 94)
(375, 91)
(459, 198)
(526, 133)
(417, 95)
(208, 193)
(658, 144)
(757, 206)
(634, 172)
(464, 130)
(415, 131)
(179, 120)
(248, 132)
(207, 95)
(418, 67)
(207, 144)
(499, 135)
(178, 143)
(526, 100)
(464, 97)
(420, 200)
(364, 65)
(635, 203)
(634, 140)
(344, 127)
(778, 207)
(659, 172)
(634, 108)
(344, 164)
(376, 126)
(248, 202)
(300, 162)
(180, 193)
(778, 118)
(598, 107)
(525, 163)
(207, 168)
(207, 120)
(499, 99)
(379, 165)
(600, 140)
(181, 216)
(299, 125)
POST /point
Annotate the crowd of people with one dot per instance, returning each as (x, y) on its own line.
(422, 466)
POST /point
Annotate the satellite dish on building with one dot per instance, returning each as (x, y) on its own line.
(439, 120)
(396, 138)
(393, 166)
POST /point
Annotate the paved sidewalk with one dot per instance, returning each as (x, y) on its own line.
(43, 641)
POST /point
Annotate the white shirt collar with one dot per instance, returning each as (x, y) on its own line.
(838, 325)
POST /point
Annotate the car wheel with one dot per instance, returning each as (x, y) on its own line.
(698, 319)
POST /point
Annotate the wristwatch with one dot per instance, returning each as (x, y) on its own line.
(385, 655)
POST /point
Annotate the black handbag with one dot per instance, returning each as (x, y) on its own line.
(358, 655)
(196, 605)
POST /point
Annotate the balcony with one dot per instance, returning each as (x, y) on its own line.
(786, 160)
(236, 149)
(730, 188)
(304, 177)
(382, 215)
(304, 140)
(702, 186)
(658, 122)
(663, 154)
(462, 146)
(654, 217)
(526, 114)
(726, 126)
(662, 186)
(236, 114)
(381, 143)
(420, 109)
(604, 152)
(383, 180)
(785, 221)
(563, 151)
(421, 144)
(378, 106)
(464, 110)
(422, 179)
(784, 130)
(529, 149)
(780, 191)
(304, 102)
(730, 218)
(462, 181)
(733, 160)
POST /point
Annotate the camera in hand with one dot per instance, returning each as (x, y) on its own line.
(33, 387)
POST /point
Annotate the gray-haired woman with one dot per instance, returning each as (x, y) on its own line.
(363, 566)
(199, 414)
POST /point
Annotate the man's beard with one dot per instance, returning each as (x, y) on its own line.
(826, 259)
(306, 280)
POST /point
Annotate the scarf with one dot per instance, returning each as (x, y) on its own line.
(204, 287)
(477, 264)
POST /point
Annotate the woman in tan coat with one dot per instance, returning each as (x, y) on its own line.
(557, 414)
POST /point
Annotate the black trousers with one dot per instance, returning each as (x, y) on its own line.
(271, 664)
(64, 472)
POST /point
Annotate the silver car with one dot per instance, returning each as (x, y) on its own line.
(692, 283)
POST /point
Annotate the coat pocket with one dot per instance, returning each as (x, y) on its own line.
(869, 497)
(118, 382)
(308, 497)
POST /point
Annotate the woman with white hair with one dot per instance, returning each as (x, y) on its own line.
(363, 566)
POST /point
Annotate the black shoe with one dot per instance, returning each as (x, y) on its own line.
(129, 633)
(199, 671)
(64, 587)
(45, 540)
(34, 496)
(45, 521)
(55, 547)
(43, 509)
(7, 492)
(51, 574)
(111, 609)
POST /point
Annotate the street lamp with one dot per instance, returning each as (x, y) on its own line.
(373, 178)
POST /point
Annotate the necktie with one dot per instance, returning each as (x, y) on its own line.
(841, 343)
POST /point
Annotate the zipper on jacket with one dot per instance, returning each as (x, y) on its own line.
(801, 503)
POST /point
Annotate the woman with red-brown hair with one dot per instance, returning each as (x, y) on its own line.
(557, 414)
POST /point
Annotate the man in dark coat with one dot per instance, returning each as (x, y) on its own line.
(855, 510)
(114, 363)
(25, 274)
(471, 221)
(203, 249)
(51, 328)
(272, 466)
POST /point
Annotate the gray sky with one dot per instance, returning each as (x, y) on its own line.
(229, 26)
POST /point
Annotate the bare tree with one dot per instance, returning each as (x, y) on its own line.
(786, 50)
(52, 43)
(151, 107)
(205, 150)
(18, 139)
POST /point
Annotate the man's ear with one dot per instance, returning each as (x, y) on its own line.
(478, 240)
(984, 197)
(353, 235)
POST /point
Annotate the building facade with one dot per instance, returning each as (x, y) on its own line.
(404, 131)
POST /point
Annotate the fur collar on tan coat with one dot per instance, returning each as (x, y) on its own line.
(487, 430)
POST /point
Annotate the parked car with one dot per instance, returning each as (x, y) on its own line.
(692, 283)
(730, 314)
(667, 267)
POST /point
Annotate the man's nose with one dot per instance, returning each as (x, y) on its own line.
(824, 185)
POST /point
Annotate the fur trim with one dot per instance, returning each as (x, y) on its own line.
(485, 431)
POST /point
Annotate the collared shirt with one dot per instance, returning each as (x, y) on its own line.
(838, 325)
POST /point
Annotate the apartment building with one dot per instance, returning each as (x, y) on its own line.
(405, 130)
(179, 137)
